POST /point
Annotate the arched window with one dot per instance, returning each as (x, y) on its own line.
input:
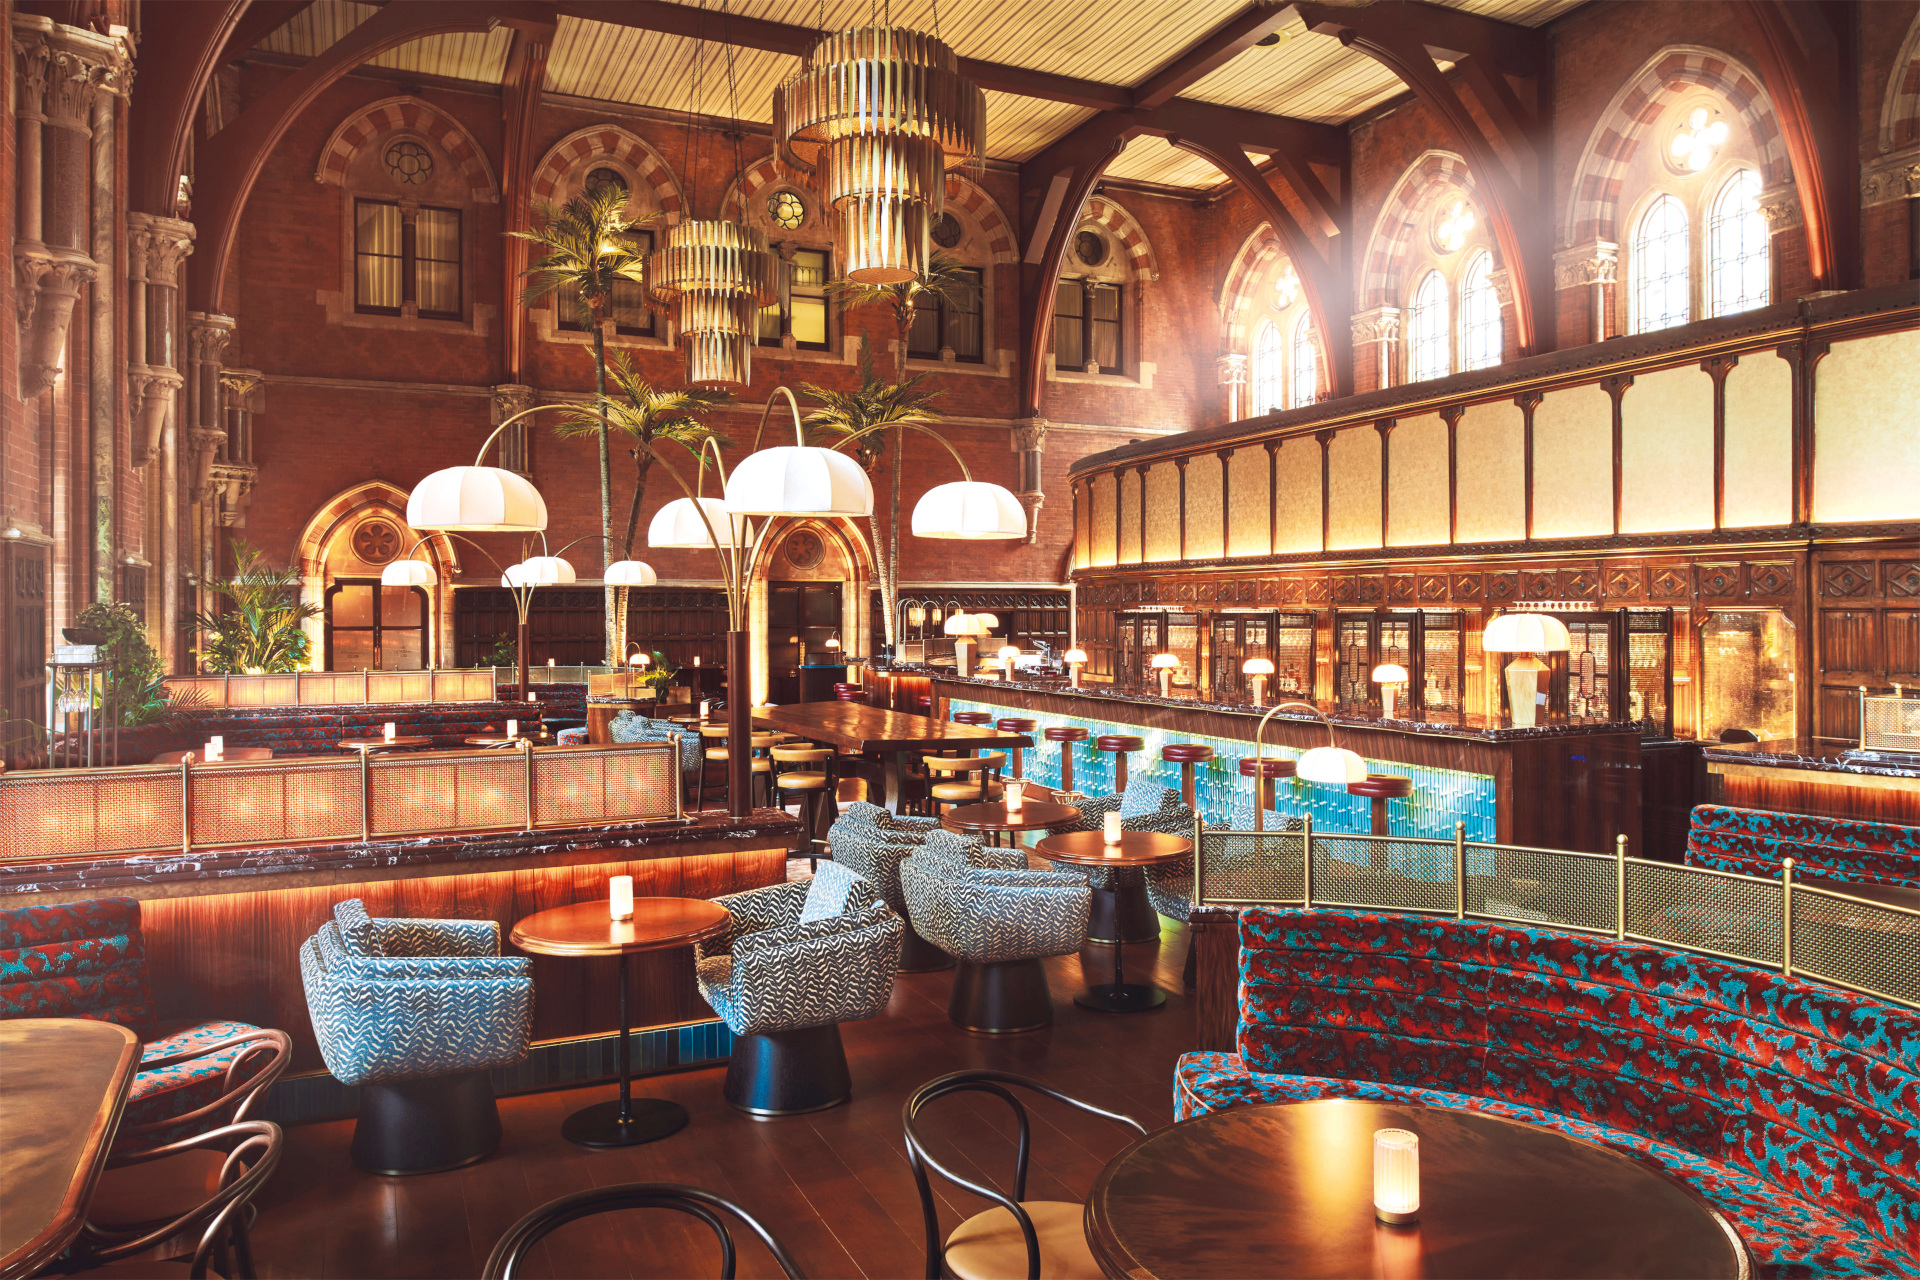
(1737, 247)
(1661, 283)
(1427, 330)
(1306, 364)
(1480, 336)
(1269, 369)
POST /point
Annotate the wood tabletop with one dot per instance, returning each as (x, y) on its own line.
(495, 739)
(1034, 815)
(1136, 848)
(394, 743)
(1286, 1189)
(858, 727)
(228, 755)
(584, 929)
(63, 1085)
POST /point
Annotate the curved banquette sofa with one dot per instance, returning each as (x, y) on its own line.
(1792, 1106)
(1755, 842)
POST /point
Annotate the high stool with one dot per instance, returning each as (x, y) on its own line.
(1066, 735)
(1121, 745)
(849, 693)
(962, 789)
(1380, 788)
(709, 733)
(1017, 724)
(1265, 771)
(814, 787)
(968, 717)
(1186, 755)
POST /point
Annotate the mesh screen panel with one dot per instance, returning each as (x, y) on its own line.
(273, 802)
(399, 686)
(1888, 723)
(1857, 944)
(463, 686)
(1250, 867)
(1731, 916)
(435, 793)
(569, 788)
(96, 812)
(1541, 886)
(640, 784)
(1362, 872)
(201, 691)
(328, 689)
(276, 691)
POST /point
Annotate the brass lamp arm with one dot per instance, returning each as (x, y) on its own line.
(1259, 746)
(910, 426)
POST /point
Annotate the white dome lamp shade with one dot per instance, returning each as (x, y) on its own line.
(799, 480)
(679, 524)
(971, 509)
(1335, 765)
(1256, 670)
(540, 571)
(408, 573)
(1389, 676)
(1075, 659)
(1525, 634)
(963, 627)
(630, 573)
(477, 500)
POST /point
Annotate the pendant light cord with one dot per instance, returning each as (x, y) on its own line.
(733, 114)
(690, 154)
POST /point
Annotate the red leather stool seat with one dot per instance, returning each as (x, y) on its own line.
(1067, 733)
(1119, 742)
(1186, 753)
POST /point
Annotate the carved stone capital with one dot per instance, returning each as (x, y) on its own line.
(79, 64)
(509, 399)
(240, 385)
(152, 391)
(232, 486)
(31, 59)
(48, 281)
(1231, 370)
(1595, 262)
(156, 248)
(1032, 500)
(1894, 176)
(208, 336)
(1780, 206)
(1502, 282)
(203, 446)
(1029, 434)
(1381, 324)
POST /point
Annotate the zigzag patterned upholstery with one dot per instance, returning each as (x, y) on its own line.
(990, 916)
(88, 960)
(1793, 1107)
(1752, 842)
(1170, 885)
(397, 1000)
(628, 727)
(777, 970)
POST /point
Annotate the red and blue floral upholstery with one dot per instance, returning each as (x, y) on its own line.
(88, 960)
(1793, 1107)
(1753, 842)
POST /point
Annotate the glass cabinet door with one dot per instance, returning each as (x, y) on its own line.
(1746, 674)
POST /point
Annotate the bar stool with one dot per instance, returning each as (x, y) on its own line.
(1121, 744)
(962, 790)
(1066, 735)
(968, 717)
(1380, 788)
(1186, 755)
(709, 733)
(1265, 771)
(848, 692)
(1017, 724)
(813, 787)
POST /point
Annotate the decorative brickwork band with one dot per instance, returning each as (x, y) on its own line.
(408, 114)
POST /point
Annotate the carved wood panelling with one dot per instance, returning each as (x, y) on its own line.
(1716, 581)
(1902, 578)
(1668, 582)
(1842, 579)
(1503, 587)
(1769, 579)
(1623, 582)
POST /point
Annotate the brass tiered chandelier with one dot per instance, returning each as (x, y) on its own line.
(873, 120)
(714, 275)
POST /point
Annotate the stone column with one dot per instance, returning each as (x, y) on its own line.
(1029, 441)
(234, 470)
(508, 399)
(206, 433)
(1232, 371)
(1381, 328)
(156, 247)
(1593, 266)
(103, 371)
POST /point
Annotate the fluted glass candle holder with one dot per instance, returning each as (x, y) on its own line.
(620, 897)
(1110, 829)
(1396, 1175)
(1014, 794)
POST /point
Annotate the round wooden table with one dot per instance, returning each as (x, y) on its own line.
(1286, 1189)
(1136, 851)
(398, 742)
(584, 929)
(993, 817)
(229, 755)
(496, 739)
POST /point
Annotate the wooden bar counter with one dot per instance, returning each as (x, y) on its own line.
(1559, 786)
(1819, 776)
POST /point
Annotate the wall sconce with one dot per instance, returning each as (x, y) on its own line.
(1165, 663)
(1389, 676)
(1075, 659)
(1257, 669)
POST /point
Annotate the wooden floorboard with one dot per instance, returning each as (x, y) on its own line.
(835, 1186)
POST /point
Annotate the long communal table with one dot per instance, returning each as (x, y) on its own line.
(893, 737)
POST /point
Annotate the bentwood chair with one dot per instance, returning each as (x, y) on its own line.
(204, 1183)
(505, 1261)
(1018, 1236)
(809, 777)
(969, 779)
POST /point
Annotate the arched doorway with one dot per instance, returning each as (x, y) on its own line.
(810, 585)
(342, 550)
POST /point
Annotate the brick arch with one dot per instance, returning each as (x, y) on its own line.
(1111, 215)
(1256, 255)
(1428, 180)
(1900, 109)
(748, 190)
(349, 505)
(391, 115)
(572, 153)
(1616, 139)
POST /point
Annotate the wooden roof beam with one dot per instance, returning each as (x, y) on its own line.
(1211, 52)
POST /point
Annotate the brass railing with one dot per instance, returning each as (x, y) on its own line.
(71, 813)
(1784, 925)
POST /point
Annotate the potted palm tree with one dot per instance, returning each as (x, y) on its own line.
(260, 631)
(589, 245)
(648, 416)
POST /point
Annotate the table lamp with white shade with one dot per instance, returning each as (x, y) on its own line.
(1389, 676)
(1008, 652)
(1257, 670)
(964, 627)
(1165, 664)
(1525, 634)
(1075, 659)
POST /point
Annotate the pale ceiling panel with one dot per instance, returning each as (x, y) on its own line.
(1017, 127)
(622, 64)
(1157, 160)
(312, 30)
(476, 56)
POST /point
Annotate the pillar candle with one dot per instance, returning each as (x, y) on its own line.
(1015, 793)
(218, 742)
(389, 731)
(1111, 828)
(513, 728)
(620, 897)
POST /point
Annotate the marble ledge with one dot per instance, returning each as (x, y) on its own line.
(242, 870)
(1820, 755)
(1474, 727)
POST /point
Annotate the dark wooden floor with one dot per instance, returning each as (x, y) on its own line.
(834, 1187)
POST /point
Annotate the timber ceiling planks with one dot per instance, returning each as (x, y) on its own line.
(1308, 76)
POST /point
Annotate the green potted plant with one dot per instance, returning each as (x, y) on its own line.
(261, 630)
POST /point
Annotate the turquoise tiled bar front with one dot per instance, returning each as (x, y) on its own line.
(1441, 797)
